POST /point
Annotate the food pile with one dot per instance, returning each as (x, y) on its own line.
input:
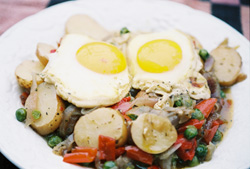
(128, 100)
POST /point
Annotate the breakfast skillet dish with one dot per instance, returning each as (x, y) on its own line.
(125, 100)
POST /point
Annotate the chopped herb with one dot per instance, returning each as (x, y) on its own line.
(222, 94)
(124, 30)
(188, 102)
(178, 101)
(132, 116)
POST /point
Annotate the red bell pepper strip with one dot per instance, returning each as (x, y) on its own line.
(194, 122)
(24, 97)
(230, 102)
(153, 167)
(187, 149)
(209, 134)
(135, 153)
(217, 122)
(194, 83)
(124, 105)
(91, 151)
(78, 157)
(52, 50)
(119, 151)
(107, 147)
(206, 106)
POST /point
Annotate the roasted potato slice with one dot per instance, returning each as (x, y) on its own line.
(83, 24)
(51, 108)
(153, 134)
(102, 121)
(227, 64)
(42, 52)
(24, 73)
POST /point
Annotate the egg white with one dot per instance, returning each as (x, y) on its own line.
(174, 81)
(79, 85)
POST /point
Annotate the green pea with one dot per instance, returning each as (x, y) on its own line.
(124, 30)
(132, 116)
(109, 165)
(204, 54)
(194, 162)
(36, 114)
(222, 94)
(47, 137)
(54, 140)
(201, 150)
(178, 103)
(197, 114)
(190, 132)
(21, 114)
(218, 136)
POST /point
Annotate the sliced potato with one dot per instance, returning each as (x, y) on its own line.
(24, 73)
(153, 134)
(42, 52)
(102, 121)
(83, 24)
(227, 64)
(31, 101)
(51, 108)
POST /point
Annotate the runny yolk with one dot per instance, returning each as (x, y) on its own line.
(159, 56)
(101, 57)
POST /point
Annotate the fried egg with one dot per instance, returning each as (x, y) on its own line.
(88, 73)
(166, 62)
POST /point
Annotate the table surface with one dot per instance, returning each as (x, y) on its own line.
(234, 12)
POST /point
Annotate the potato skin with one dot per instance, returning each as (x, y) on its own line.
(24, 72)
(102, 121)
(51, 110)
(25, 83)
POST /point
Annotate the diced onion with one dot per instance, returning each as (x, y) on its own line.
(169, 152)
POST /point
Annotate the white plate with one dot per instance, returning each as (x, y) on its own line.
(26, 149)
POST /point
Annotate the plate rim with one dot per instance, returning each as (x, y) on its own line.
(15, 26)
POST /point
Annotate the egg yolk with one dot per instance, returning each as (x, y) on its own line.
(159, 56)
(101, 57)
